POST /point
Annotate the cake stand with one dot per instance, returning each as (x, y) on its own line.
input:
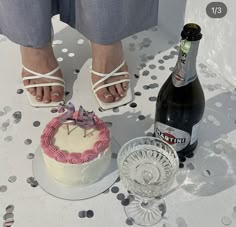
(63, 191)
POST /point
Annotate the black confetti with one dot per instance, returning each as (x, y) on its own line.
(141, 117)
(115, 189)
(120, 196)
(19, 91)
(137, 93)
(90, 213)
(133, 105)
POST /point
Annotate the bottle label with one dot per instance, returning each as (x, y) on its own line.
(185, 69)
(194, 135)
(177, 138)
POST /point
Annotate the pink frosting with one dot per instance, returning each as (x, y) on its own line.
(74, 158)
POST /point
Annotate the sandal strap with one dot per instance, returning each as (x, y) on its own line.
(44, 85)
(106, 75)
(110, 84)
(40, 75)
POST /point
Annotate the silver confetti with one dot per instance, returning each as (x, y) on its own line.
(30, 156)
(218, 104)
(6, 124)
(12, 179)
(206, 173)
(210, 117)
(8, 138)
(10, 209)
(190, 166)
(226, 221)
(216, 123)
(3, 188)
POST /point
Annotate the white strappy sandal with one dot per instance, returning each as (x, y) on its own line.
(32, 99)
(127, 99)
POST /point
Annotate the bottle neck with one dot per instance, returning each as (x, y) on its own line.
(185, 70)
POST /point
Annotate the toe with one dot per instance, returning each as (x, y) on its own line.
(114, 93)
(120, 90)
(57, 93)
(125, 85)
(39, 94)
(105, 96)
(46, 95)
(30, 90)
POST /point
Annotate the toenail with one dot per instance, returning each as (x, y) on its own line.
(107, 96)
(38, 98)
(46, 101)
(56, 94)
(122, 95)
(117, 98)
(125, 88)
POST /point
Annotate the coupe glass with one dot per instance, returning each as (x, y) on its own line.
(147, 167)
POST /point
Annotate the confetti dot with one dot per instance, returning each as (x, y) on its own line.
(166, 57)
(90, 213)
(129, 221)
(190, 166)
(145, 73)
(71, 55)
(82, 214)
(136, 76)
(151, 57)
(76, 71)
(141, 117)
(60, 59)
(176, 47)
(161, 61)
(161, 67)
(218, 104)
(29, 180)
(30, 156)
(17, 116)
(120, 196)
(132, 45)
(19, 91)
(57, 42)
(8, 138)
(137, 93)
(34, 183)
(142, 65)
(181, 165)
(5, 124)
(171, 69)
(80, 41)
(115, 189)
(67, 93)
(145, 87)
(154, 85)
(216, 123)
(152, 66)
(206, 173)
(226, 221)
(8, 216)
(28, 141)
(210, 117)
(152, 99)
(9, 208)
(134, 36)
(64, 50)
(12, 179)
(36, 123)
(3, 188)
(153, 77)
(125, 202)
(133, 105)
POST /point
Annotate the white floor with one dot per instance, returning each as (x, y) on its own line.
(207, 196)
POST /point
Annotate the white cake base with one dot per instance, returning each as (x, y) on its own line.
(79, 174)
(63, 191)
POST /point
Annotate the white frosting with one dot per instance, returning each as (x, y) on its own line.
(75, 142)
(83, 174)
(77, 174)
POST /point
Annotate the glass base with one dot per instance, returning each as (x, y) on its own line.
(145, 212)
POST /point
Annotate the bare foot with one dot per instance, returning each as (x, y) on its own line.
(105, 59)
(42, 61)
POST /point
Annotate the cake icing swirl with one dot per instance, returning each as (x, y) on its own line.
(74, 158)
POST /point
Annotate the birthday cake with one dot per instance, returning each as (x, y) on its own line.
(76, 146)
